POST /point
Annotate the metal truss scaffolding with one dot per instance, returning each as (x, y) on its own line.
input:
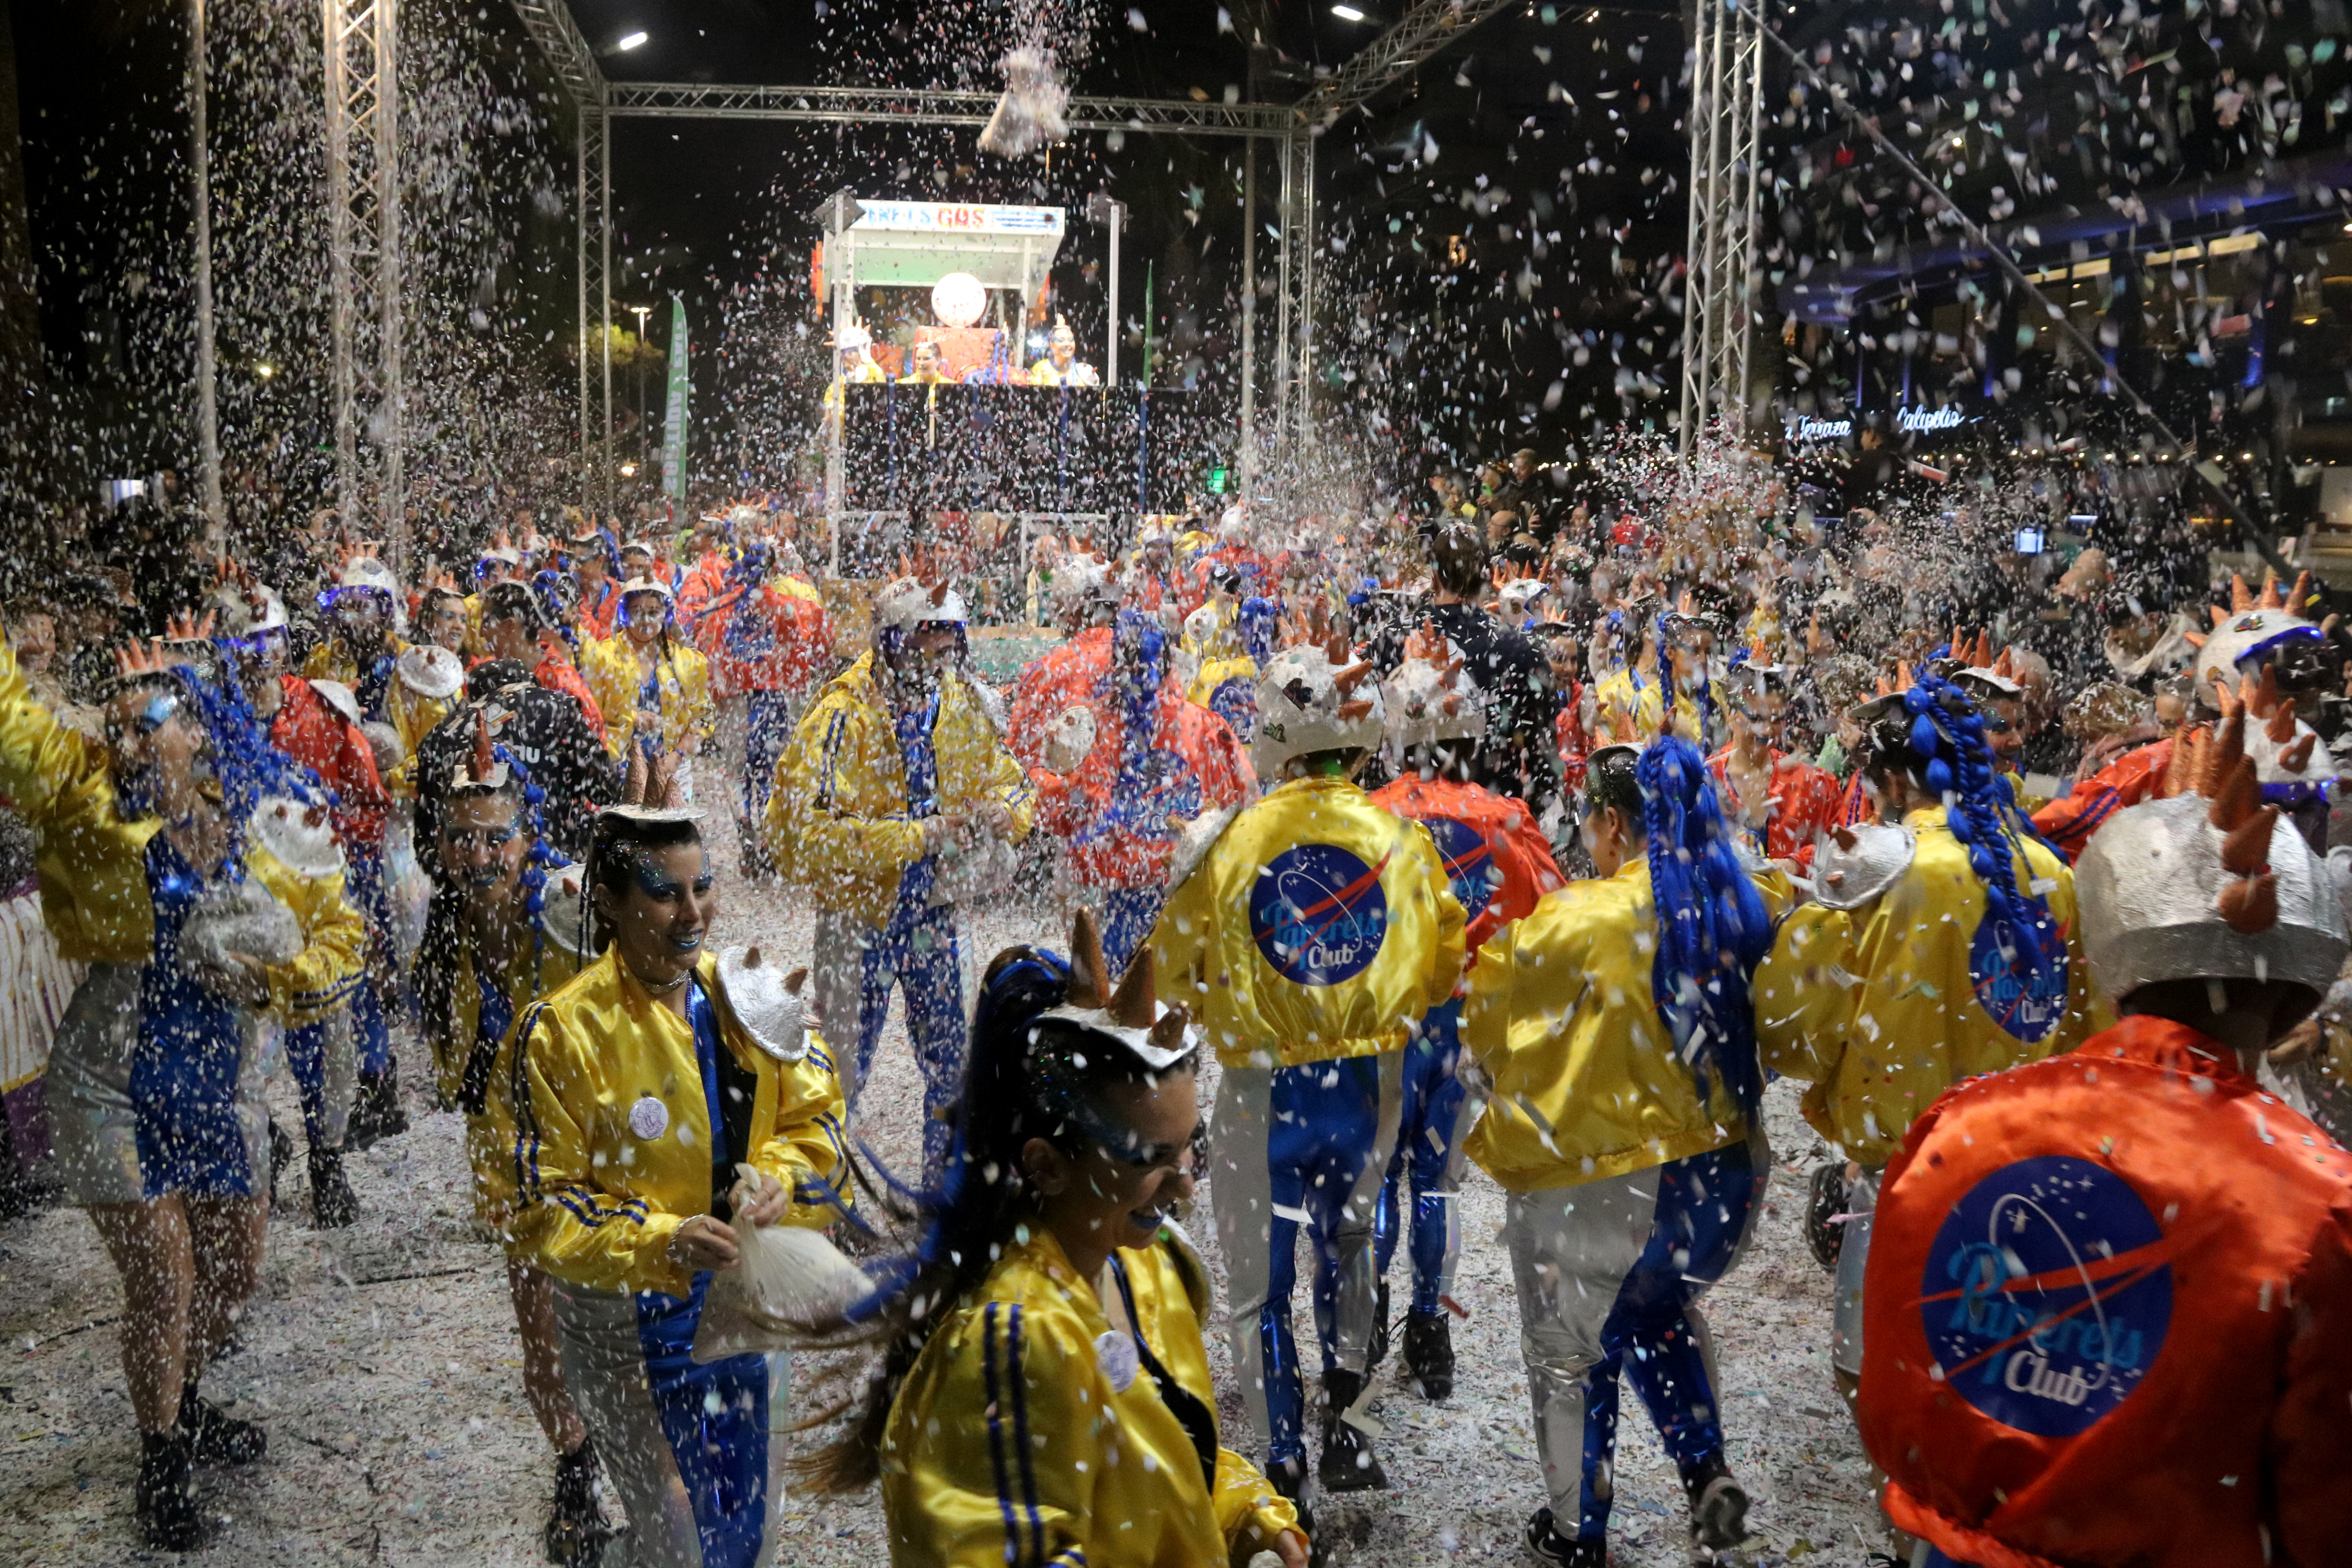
(1427, 27)
(363, 45)
(1719, 308)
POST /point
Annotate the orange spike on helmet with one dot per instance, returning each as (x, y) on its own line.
(485, 755)
(186, 627)
(2227, 750)
(2271, 599)
(132, 659)
(2242, 599)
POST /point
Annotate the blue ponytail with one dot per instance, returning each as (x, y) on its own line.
(1713, 927)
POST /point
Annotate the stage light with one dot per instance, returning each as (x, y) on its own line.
(631, 42)
(1346, 12)
(628, 470)
(265, 370)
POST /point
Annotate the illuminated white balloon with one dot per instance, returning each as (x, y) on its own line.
(957, 299)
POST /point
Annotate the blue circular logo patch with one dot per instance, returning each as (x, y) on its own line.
(2047, 1295)
(1318, 914)
(2024, 1000)
(1469, 862)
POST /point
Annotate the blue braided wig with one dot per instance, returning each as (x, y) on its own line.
(1257, 619)
(247, 768)
(1948, 742)
(1713, 927)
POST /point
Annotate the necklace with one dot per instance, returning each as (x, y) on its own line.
(661, 988)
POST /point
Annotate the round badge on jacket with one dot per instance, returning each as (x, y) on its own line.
(2046, 1296)
(1469, 862)
(1318, 914)
(1115, 1353)
(648, 1118)
(2024, 998)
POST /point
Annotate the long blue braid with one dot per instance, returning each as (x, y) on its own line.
(1713, 927)
(244, 765)
(1948, 738)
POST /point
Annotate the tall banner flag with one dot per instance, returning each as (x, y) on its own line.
(674, 410)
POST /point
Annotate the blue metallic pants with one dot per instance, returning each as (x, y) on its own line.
(687, 1445)
(1128, 915)
(1296, 1146)
(1608, 1275)
(1428, 1155)
(366, 889)
(918, 951)
(768, 721)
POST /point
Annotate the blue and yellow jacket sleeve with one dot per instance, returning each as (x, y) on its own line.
(1011, 1442)
(491, 1132)
(324, 974)
(92, 864)
(1883, 1008)
(598, 1196)
(1317, 927)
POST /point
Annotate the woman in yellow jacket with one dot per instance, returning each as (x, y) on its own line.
(167, 858)
(1044, 1396)
(642, 1093)
(1309, 934)
(1942, 944)
(504, 932)
(651, 686)
(1613, 1028)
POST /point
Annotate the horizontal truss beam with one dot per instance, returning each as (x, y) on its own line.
(852, 105)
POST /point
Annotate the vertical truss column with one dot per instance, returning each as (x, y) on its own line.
(1298, 288)
(362, 39)
(1718, 308)
(595, 148)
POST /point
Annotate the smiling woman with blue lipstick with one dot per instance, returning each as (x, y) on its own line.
(639, 1091)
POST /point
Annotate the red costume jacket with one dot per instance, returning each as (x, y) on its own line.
(1500, 862)
(757, 639)
(2108, 1317)
(315, 735)
(2069, 822)
(1115, 813)
(1569, 740)
(556, 675)
(1807, 801)
(1067, 676)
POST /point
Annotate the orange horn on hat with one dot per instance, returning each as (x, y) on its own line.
(2242, 599)
(1133, 1005)
(1089, 975)
(2226, 752)
(484, 757)
(2271, 598)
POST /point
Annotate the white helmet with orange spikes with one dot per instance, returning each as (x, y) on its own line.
(2280, 745)
(1426, 700)
(2206, 882)
(1311, 698)
(2253, 629)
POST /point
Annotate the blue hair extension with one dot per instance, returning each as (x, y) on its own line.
(244, 765)
(1257, 617)
(1713, 927)
(1948, 740)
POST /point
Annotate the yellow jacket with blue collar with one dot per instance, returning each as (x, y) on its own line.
(1027, 1433)
(601, 1179)
(1585, 1079)
(1883, 1007)
(682, 677)
(1316, 926)
(837, 820)
(92, 863)
(330, 661)
(1633, 711)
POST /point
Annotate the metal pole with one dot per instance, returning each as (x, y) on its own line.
(390, 413)
(587, 469)
(207, 402)
(604, 297)
(340, 325)
(839, 259)
(1249, 318)
(1110, 331)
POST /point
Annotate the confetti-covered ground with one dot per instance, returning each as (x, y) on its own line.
(384, 1361)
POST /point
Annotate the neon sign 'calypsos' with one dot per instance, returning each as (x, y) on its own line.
(1944, 418)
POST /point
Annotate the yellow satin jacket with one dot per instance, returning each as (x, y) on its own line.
(1586, 1082)
(93, 864)
(1318, 926)
(328, 661)
(837, 818)
(1634, 714)
(1023, 1434)
(1883, 1008)
(414, 716)
(596, 1198)
(688, 718)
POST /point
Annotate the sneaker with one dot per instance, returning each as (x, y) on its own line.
(214, 1438)
(166, 1493)
(1719, 1519)
(333, 1204)
(1825, 1199)
(1348, 1463)
(1548, 1546)
(577, 1528)
(1429, 1354)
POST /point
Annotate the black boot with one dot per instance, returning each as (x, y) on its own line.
(214, 1438)
(375, 1110)
(577, 1528)
(281, 1154)
(167, 1493)
(332, 1204)
(1348, 1463)
(1825, 1198)
(1429, 1354)
(1546, 1545)
(1288, 1477)
(1718, 1509)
